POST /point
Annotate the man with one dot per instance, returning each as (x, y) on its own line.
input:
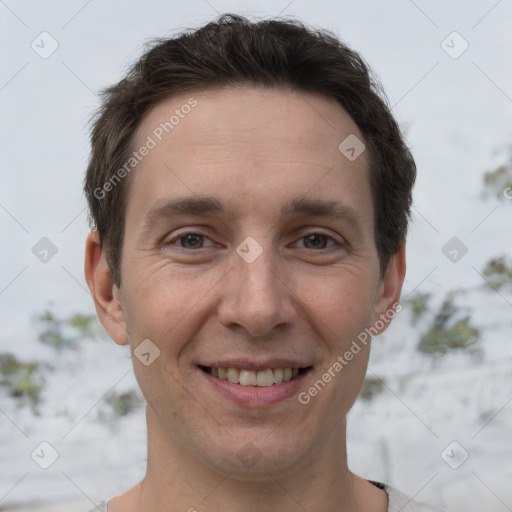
(249, 195)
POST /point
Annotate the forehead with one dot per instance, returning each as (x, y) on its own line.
(252, 115)
(247, 142)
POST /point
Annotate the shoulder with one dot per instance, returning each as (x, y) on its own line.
(397, 501)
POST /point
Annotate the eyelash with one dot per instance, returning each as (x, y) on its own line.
(183, 235)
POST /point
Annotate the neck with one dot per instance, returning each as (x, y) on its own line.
(176, 477)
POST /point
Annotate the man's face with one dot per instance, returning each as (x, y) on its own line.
(283, 273)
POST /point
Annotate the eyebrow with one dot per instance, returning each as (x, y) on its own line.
(200, 205)
(321, 208)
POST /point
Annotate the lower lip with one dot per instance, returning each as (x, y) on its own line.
(255, 396)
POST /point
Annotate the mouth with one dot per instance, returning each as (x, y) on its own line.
(250, 378)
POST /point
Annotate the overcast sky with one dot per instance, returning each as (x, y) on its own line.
(452, 92)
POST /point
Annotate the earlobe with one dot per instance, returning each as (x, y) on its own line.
(390, 287)
(106, 296)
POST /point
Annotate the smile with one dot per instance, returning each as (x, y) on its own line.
(263, 378)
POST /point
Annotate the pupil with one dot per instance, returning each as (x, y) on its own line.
(316, 240)
(191, 240)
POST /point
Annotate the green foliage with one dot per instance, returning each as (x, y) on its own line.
(67, 332)
(500, 180)
(498, 271)
(52, 336)
(19, 378)
(418, 306)
(124, 403)
(371, 386)
(85, 325)
(446, 335)
(25, 380)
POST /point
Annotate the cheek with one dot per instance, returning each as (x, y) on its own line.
(157, 294)
(341, 304)
(167, 305)
(341, 308)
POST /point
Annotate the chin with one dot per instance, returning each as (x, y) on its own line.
(253, 460)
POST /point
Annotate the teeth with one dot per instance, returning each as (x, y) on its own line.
(264, 378)
(233, 375)
(278, 376)
(248, 378)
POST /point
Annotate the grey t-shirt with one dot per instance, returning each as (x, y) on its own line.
(397, 502)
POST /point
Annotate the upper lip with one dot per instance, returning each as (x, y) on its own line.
(254, 365)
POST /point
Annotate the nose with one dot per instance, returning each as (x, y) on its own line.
(256, 297)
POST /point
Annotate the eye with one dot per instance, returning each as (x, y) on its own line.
(317, 240)
(188, 240)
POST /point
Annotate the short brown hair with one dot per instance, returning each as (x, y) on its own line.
(234, 51)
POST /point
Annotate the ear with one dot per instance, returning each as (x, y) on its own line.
(106, 295)
(390, 287)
